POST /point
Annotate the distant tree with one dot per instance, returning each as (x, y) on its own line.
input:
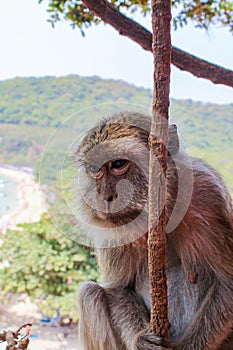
(202, 13)
(40, 261)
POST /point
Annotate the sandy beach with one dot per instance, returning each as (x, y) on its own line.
(29, 206)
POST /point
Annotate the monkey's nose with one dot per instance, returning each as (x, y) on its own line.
(111, 198)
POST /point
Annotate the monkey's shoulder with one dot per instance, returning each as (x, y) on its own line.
(209, 189)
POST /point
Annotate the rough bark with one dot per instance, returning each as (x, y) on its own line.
(161, 18)
(181, 59)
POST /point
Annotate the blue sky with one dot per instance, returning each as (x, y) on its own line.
(31, 47)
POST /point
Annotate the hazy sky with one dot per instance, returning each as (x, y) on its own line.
(31, 47)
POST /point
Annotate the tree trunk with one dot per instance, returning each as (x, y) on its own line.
(158, 142)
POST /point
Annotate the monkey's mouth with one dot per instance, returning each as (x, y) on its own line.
(118, 218)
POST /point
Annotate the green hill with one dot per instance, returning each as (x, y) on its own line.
(30, 109)
(48, 101)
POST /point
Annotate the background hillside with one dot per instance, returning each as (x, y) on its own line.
(30, 109)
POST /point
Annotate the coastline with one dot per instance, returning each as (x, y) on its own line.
(28, 208)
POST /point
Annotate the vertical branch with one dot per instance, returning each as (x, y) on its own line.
(158, 143)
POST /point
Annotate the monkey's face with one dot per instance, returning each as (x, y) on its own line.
(113, 176)
(112, 183)
(117, 191)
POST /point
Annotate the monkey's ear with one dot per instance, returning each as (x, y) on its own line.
(173, 140)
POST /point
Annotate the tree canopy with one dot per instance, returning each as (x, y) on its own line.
(203, 13)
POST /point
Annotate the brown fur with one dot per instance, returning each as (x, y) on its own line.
(115, 315)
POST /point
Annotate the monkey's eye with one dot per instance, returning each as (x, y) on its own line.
(119, 163)
(119, 166)
(95, 170)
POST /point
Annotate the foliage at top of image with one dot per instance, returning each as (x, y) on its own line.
(202, 13)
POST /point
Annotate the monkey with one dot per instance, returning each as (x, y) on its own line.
(113, 161)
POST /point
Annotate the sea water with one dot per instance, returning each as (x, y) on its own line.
(8, 195)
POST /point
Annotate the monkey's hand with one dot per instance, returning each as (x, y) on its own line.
(146, 340)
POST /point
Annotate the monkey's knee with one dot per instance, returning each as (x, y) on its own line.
(95, 331)
(89, 293)
(89, 290)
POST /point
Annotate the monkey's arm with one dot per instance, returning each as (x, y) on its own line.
(130, 319)
(128, 313)
(113, 319)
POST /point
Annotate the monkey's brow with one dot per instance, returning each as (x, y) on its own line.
(103, 156)
(81, 162)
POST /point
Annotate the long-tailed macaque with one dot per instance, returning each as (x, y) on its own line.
(113, 193)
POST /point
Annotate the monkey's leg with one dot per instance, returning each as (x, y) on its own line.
(95, 331)
(130, 320)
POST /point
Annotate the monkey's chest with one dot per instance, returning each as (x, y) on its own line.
(183, 299)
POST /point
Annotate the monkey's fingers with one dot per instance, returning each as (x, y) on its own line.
(149, 341)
